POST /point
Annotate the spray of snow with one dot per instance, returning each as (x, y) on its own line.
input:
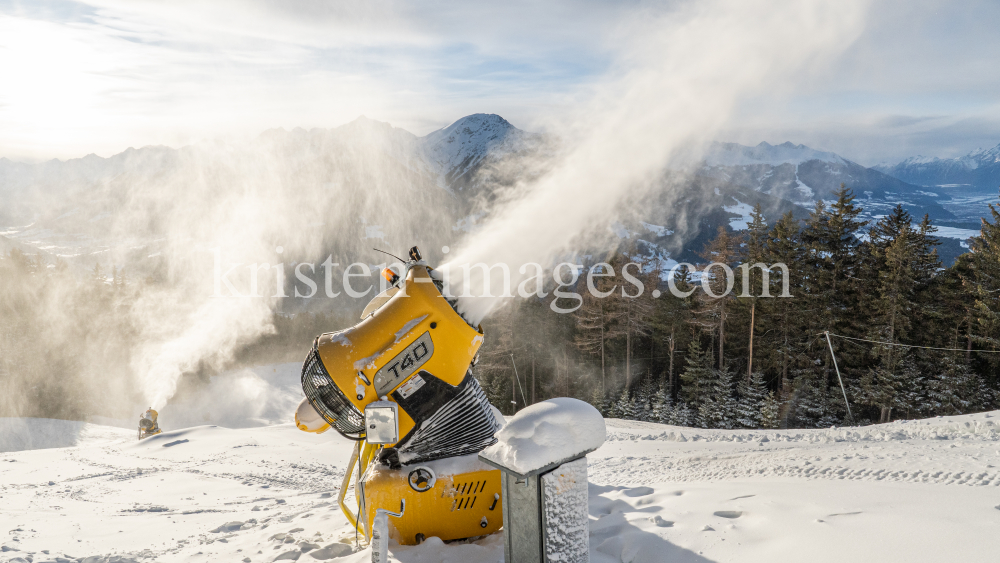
(682, 74)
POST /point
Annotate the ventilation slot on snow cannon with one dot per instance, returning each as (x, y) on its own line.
(328, 400)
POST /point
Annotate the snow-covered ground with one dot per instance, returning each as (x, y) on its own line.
(920, 491)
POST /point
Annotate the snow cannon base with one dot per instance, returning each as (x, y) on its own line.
(450, 507)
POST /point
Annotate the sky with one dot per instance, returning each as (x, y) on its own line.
(103, 75)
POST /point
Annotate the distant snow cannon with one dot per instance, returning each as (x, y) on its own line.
(148, 425)
(400, 384)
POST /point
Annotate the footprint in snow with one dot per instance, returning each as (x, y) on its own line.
(638, 492)
(729, 513)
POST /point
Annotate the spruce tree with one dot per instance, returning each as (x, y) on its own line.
(720, 408)
(681, 415)
(662, 405)
(779, 347)
(595, 324)
(770, 412)
(752, 395)
(645, 397)
(671, 315)
(951, 388)
(752, 278)
(711, 312)
(697, 376)
(597, 399)
(622, 407)
(810, 406)
(986, 278)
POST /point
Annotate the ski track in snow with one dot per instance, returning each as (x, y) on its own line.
(916, 491)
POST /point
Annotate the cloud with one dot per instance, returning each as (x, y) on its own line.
(896, 121)
(101, 76)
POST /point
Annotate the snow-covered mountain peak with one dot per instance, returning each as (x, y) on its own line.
(974, 159)
(458, 147)
(474, 134)
(735, 154)
(979, 169)
(987, 156)
(475, 125)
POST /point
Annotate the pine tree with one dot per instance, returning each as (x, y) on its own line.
(719, 410)
(599, 401)
(784, 247)
(631, 307)
(624, 408)
(986, 277)
(902, 262)
(662, 405)
(697, 377)
(595, 324)
(830, 236)
(751, 401)
(671, 314)
(681, 415)
(645, 397)
(754, 254)
(770, 412)
(810, 405)
(712, 312)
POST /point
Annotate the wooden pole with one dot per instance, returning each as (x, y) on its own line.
(830, 344)
(753, 307)
(532, 379)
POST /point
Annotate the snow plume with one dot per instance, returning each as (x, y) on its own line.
(254, 210)
(680, 75)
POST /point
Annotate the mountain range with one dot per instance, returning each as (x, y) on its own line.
(977, 171)
(369, 180)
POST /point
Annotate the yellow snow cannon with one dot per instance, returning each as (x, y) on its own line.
(400, 384)
(148, 425)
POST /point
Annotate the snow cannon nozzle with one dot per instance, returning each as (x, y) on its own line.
(415, 254)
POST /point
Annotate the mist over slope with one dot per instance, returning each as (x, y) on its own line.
(166, 215)
(365, 183)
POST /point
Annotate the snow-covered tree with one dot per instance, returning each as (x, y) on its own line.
(811, 404)
(770, 412)
(697, 377)
(662, 406)
(751, 399)
(720, 408)
(680, 415)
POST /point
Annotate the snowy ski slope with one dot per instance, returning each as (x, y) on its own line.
(920, 491)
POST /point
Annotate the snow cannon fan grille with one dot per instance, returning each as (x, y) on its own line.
(461, 426)
(328, 400)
